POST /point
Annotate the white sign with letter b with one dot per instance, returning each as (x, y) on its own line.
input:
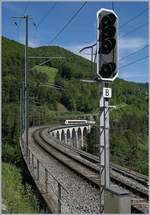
(107, 92)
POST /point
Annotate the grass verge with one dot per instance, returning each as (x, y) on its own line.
(18, 198)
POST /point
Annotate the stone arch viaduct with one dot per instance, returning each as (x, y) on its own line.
(73, 135)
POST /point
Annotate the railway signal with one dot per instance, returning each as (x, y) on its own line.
(107, 45)
(107, 71)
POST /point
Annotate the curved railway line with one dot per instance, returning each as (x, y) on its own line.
(86, 165)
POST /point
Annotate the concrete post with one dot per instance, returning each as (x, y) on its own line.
(117, 200)
(68, 141)
(102, 155)
(26, 84)
(77, 139)
(65, 138)
(82, 144)
(106, 118)
(58, 135)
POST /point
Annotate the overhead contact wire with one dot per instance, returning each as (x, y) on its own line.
(69, 21)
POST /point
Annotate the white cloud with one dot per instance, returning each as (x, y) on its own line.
(33, 44)
(131, 43)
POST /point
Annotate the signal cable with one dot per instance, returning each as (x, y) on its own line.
(69, 21)
(146, 46)
(25, 10)
(135, 29)
(34, 24)
(34, 34)
(15, 23)
(44, 17)
(46, 14)
(113, 5)
(138, 60)
(130, 20)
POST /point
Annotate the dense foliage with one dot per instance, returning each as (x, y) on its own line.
(18, 199)
(129, 123)
(43, 100)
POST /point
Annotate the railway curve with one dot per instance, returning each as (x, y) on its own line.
(80, 189)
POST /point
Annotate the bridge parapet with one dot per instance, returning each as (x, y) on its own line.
(63, 190)
(47, 183)
(73, 135)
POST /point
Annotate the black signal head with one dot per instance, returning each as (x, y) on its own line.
(107, 70)
(108, 31)
(109, 19)
(108, 45)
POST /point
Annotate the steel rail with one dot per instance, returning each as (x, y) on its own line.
(83, 167)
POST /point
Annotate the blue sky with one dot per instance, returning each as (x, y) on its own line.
(82, 30)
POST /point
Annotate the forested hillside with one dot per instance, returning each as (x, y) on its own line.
(75, 99)
(129, 123)
(128, 126)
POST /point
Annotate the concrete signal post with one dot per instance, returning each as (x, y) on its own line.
(107, 71)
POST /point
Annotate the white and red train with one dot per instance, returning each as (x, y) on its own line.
(78, 122)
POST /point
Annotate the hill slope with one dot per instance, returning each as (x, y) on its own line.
(49, 71)
(129, 124)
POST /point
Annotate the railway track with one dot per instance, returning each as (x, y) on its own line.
(122, 170)
(86, 165)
